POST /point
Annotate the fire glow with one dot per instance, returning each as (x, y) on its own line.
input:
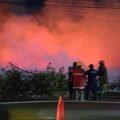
(59, 37)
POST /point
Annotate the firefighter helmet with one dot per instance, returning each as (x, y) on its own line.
(79, 64)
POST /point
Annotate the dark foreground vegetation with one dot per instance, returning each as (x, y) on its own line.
(18, 83)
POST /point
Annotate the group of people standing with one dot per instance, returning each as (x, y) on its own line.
(85, 84)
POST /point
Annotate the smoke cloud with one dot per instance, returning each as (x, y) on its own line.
(60, 33)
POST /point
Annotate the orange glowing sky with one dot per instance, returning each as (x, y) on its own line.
(60, 35)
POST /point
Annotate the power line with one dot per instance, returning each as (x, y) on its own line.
(64, 4)
(73, 14)
(83, 6)
(85, 1)
(79, 12)
(88, 17)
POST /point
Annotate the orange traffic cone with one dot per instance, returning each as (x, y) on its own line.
(60, 109)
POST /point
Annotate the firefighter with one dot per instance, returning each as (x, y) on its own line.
(92, 82)
(79, 78)
(103, 76)
(70, 82)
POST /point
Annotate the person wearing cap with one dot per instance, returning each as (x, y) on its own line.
(70, 82)
(103, 76)
(79, 79)
(92, 82)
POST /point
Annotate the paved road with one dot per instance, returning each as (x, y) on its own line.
(47, 110)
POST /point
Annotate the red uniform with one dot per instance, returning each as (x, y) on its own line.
(78, 78)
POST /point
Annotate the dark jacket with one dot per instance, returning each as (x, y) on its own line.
(92, 77)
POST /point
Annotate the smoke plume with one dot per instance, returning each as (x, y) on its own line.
(60, 32)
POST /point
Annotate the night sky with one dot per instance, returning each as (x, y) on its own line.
(36, 32)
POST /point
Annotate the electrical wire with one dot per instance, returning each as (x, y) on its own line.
(64, 4)
(81, 11)
(73, 14)
(84, 6)
(88, 17)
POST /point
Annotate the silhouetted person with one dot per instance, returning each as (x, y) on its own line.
(70, 82)
(103, 75)
(92, 82)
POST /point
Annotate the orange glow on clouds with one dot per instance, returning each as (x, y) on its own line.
(34, 41)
